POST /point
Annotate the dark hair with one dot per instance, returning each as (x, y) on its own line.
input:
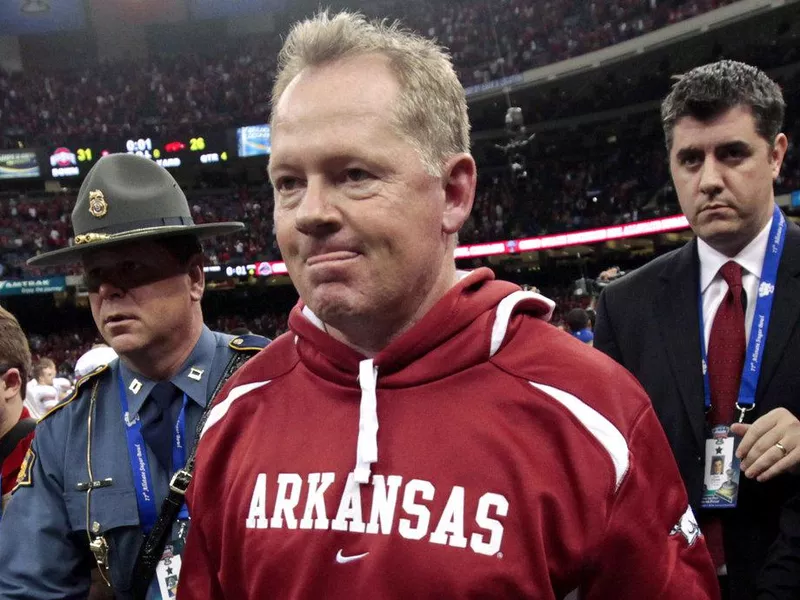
(708, 91)
(182, 247)
(577, 319)
(14, 350)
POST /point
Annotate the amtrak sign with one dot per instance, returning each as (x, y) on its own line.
(25, 287)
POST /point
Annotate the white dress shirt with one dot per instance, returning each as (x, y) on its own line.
(713, 286)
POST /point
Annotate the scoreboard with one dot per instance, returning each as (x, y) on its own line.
(171, 153)
(196, 150)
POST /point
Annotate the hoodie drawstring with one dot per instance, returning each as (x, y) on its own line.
(367, 449)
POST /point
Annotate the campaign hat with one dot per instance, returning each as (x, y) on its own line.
(126, 198)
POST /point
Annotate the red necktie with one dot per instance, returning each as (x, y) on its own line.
(726, 347)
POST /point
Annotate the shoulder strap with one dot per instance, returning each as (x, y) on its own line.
(153, 547)
(15, 436)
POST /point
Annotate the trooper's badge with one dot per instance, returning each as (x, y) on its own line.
(98, 207)
(25, 476)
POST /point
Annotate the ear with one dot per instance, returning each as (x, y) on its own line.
(13, 384)
(777, 154)
(197, 278)
(459, 177)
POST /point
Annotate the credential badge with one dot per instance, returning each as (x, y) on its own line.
(98, 207)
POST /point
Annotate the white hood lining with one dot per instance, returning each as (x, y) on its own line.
(506, 308)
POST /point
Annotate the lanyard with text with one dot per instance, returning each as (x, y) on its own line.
(140, 464)
(760, 326)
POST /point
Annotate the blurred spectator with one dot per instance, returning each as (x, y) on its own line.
(63, 386)
(40, 399)
(578, 325)
(40, 394)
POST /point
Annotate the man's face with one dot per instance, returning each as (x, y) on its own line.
(723, 173)
(140, 295)
(47, 376)
(362, 226)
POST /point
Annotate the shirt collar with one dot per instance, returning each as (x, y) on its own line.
(751, 258)
(192, 378)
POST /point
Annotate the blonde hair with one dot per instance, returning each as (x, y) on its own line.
(431, 109)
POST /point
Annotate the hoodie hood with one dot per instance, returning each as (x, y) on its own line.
(464, 328)
(468, 309)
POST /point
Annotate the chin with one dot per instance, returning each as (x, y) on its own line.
(725, 239)
(332, 306)
(125, 343)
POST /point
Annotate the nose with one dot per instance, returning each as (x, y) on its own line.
(108, 290)
(317, 213)
(711, 183)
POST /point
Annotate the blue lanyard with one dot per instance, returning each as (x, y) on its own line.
(758, 330)
(140, 464)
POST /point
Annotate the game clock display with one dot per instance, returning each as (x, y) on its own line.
(173, 153)
(71, 161)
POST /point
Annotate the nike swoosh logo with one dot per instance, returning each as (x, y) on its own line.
(342, 559)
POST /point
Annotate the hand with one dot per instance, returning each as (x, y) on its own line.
(761, 458)
(608, 274)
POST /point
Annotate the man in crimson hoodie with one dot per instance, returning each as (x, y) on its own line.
(16, 424)
(420, 432)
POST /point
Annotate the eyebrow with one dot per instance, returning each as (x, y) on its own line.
(735, 145)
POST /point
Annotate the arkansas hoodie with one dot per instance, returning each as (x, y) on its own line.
(481, 454)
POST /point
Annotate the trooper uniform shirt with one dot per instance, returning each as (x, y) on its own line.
(44, 534)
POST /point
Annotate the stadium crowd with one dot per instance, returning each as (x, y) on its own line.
(622, 183)
(551, 189)
(171, 95)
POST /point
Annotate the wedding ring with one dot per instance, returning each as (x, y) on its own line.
(780, 447)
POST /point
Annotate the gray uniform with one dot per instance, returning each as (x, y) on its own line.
(44, 544)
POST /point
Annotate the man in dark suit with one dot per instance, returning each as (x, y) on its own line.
(682, 325)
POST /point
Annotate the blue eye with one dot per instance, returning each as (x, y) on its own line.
(286, 184)
(357, 175)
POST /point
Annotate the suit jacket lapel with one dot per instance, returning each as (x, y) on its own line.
(680, 329)
(785, 309)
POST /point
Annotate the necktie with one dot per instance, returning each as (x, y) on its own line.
(726, 348)
(158, 421)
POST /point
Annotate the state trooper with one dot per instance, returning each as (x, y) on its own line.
(92, 488)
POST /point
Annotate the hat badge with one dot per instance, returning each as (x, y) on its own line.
(98, 207)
